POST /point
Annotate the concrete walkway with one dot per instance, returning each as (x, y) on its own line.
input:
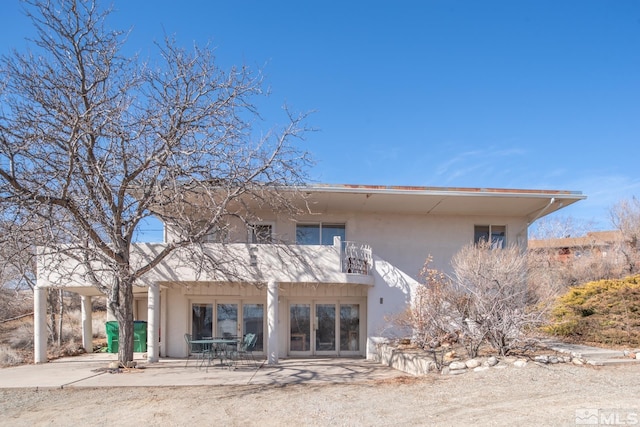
(592, 355)
(91, 370)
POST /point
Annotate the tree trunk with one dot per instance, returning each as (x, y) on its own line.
(53, 331)
(60, 315)
(123, 310)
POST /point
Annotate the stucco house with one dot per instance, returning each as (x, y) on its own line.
(324, 283)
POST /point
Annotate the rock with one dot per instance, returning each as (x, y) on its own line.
(510, 359)
(455, 366)
(472, 363)
(480, 368)
(131, 364)
(541, 359)
(445, 370)
(492, 361)
(114, 365)
(520, 363)
(457, 371)
(553, 360)
(577, 361)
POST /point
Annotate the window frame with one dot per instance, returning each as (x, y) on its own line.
(499, 241)
(321, 226)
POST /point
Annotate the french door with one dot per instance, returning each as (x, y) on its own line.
(324, 328)
(228, 320)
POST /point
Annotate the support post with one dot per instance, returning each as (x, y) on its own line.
(153, 323)
(272, 323)
(40, 325)
(87, 326)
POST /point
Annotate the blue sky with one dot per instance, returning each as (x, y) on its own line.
(507, 94)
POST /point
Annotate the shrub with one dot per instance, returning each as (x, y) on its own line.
(21, 337)
(604, 311)
(9, 357)
(499, 307)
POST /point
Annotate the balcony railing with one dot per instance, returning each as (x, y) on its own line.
(356, 258)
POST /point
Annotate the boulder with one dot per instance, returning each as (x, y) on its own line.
(541, 359)
(492, 361)
(472, 363)
(456, 366)
(520, 363)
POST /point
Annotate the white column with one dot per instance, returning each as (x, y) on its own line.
(153, 323)
(272, 323)
(40, 325)
(87, 327)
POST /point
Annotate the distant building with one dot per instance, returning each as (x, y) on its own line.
(600, 243)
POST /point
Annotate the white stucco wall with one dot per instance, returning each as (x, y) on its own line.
(400, 245)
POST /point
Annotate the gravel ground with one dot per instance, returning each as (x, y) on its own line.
(536, 395)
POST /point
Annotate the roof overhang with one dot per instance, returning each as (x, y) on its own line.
(529, 204)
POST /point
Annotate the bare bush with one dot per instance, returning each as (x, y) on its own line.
(9, 357)
(22, 337)
(430, 314)
(498, 306)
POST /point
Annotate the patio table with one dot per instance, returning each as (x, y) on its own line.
(216, 348)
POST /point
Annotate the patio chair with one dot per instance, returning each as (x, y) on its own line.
(193, 349)
(246, 348)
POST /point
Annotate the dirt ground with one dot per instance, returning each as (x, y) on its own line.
(536, 395)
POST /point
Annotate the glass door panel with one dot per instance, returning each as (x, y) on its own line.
(300, 329)
(227, 320)
(253, 323)
(350, 327)
(201, 320)
(325, 327)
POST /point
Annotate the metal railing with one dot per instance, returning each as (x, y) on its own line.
(356, 258)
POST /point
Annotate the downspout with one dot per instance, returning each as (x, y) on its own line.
(538, 215)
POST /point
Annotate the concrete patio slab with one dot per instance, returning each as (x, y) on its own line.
(91, 370)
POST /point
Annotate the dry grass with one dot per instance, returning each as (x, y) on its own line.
(16, 336)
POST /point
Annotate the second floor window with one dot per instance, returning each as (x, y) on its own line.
(319, 234)
(496, 235)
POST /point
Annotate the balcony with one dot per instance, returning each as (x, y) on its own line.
(355, 258)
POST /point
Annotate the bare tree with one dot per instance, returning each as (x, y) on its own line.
(97, 140)
(557, 227)
(625, 216)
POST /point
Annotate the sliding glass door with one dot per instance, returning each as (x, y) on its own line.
(332, 330)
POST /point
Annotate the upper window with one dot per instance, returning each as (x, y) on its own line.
(260, 233)
(319, 234)
(495, 235)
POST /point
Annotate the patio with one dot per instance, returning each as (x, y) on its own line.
(91, 370)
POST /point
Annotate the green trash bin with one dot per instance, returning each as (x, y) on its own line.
(112, 336)
(139, 336)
